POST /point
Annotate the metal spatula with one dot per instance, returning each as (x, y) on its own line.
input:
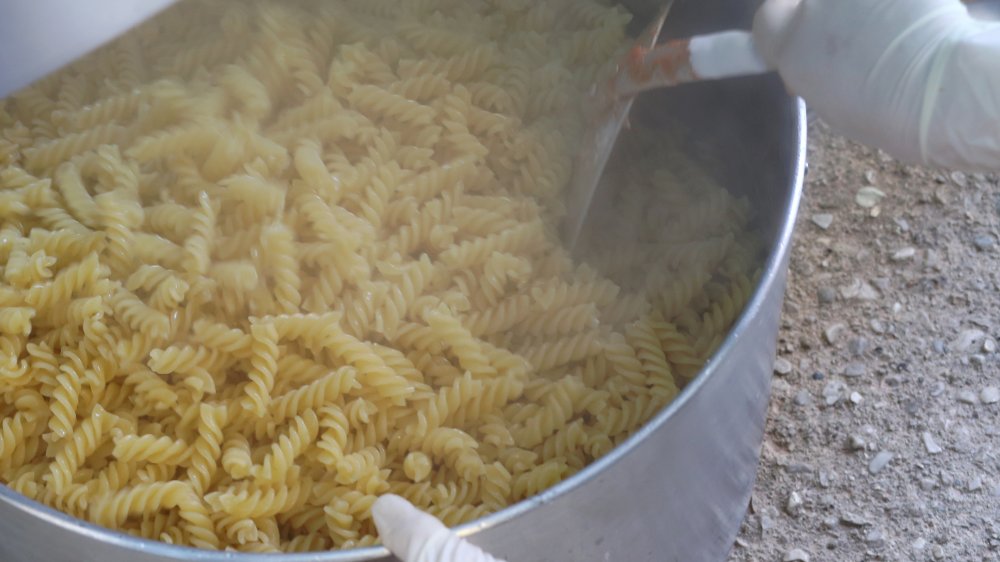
(647, 66)
(39, 36)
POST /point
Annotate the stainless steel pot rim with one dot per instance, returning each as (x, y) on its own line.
(770, 275)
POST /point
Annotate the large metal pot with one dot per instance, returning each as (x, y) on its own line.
(678, 489)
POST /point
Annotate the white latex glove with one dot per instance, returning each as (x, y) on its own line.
(415, 536)
(919, 79)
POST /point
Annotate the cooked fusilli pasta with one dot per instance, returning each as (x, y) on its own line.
(261, 267)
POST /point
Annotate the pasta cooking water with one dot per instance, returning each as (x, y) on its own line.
(265, 261)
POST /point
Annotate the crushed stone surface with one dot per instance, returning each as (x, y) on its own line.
(894, 298)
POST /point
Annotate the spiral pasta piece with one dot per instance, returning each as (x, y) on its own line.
(50, 154)
(563, 399)
(207, 447)
(149, 448)
(264, 364)
(236, 458)
(457, 449)
(75, 450)
(151, 387)
(290, 444)
(470, 356)
(139, 316)
(314, 395)
(141, 498)
(278, 246)
(222, 337)
(197, 247)
(15, 431)
(562, 351)
(252, 501)
(16, 321)
(417, 466)
(538, 478)
(23, 270)
(678, 350)
(372, 370)
(333, 441)
(119, 216)
(182, 359)
(69, 281)
(66, 395)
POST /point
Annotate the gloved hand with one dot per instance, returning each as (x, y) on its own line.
(415, 536)
(918, 78)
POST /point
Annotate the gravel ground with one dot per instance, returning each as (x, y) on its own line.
(882, 436)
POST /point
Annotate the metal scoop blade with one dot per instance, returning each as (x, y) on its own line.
(647, 66)
(600, 139)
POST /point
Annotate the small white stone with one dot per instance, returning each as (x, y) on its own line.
(989, 395)
(903, 254)
(794, 503)
(967, 397)
(796, 555)
(938, 389)
(859, 289)
(875, 538)
(967, 339)
(868, 197)
(930, 444)
(856, 398)
(833, 392)
(851, 291)
(853, 519)
(854, 370)
(919, 544)
(823, 220)
(880, 461)
(833, 332)
(942, 195)
(782, 366)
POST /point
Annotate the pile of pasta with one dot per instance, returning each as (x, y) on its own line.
(265, 261)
